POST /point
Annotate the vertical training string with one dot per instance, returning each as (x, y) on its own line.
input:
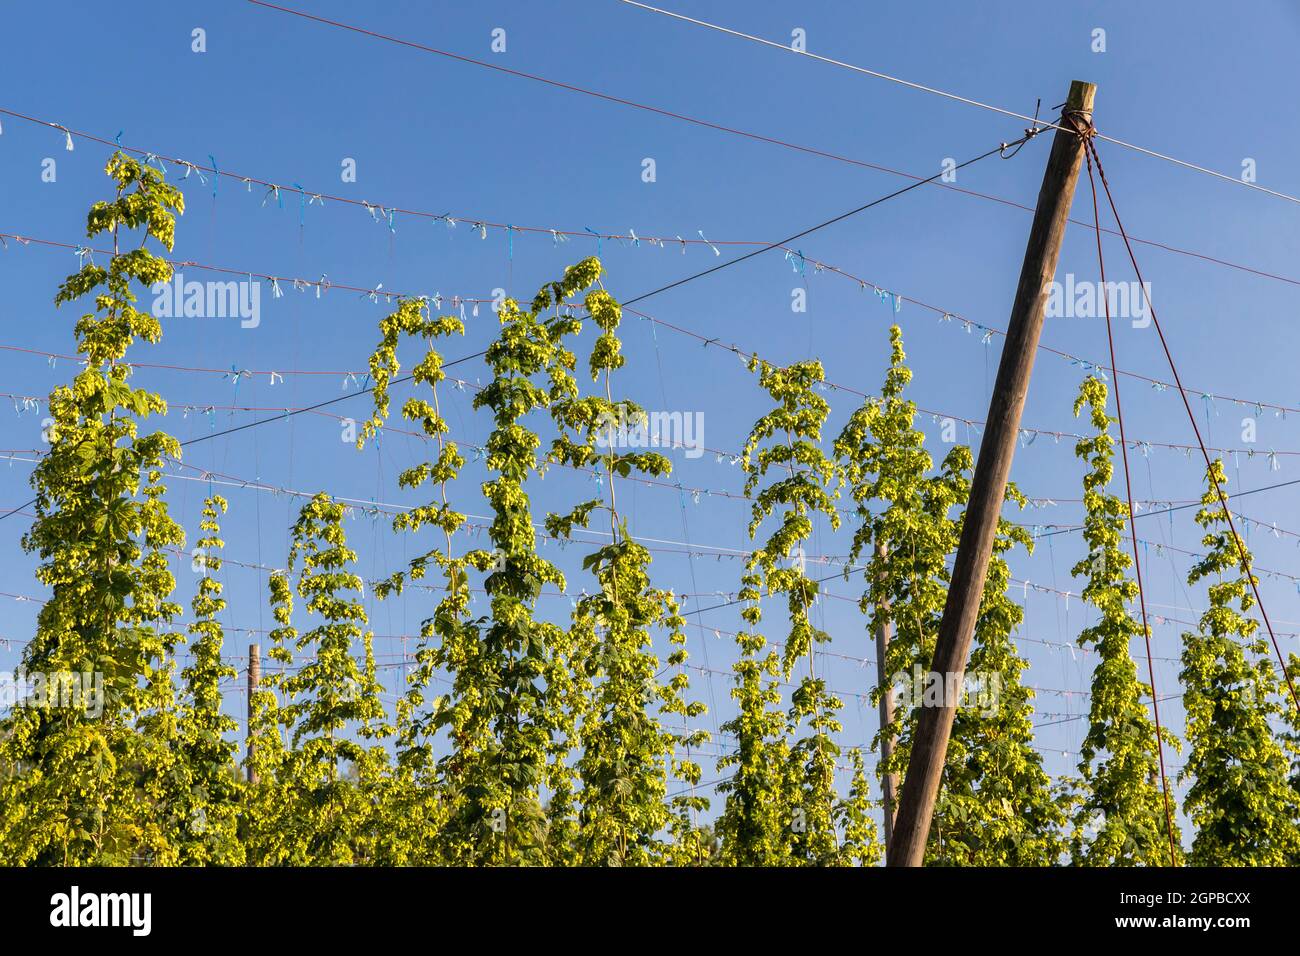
(1132, 524)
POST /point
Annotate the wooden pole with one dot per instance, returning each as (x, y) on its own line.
(254, 682)
(988, 487)
(889, 783)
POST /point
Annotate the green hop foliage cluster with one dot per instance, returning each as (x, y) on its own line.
(416, 813)
(101, 534)
(507, 717)
(209, 793)
(904, 524)
(782, 806)
(327, 778)
(1242, 801)
(627, 754)
(1119, 817)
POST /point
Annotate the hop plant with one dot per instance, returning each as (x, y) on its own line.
(101, 535)
(506, 715)
(626, 753)
(210, 795)
(331, 708)
(1244, 806)
(414, 808)
(903, 523)
(1119, 817)
(798, 779)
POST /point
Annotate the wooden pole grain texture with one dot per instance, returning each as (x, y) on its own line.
(254, 682)
(988, 487)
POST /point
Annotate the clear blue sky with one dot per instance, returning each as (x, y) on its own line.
(285, 100)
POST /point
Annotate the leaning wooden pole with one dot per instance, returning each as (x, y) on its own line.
(254, 682)
(988, 487)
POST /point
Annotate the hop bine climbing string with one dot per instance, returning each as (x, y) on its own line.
(1128, 493)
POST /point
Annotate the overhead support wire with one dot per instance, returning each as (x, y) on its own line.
(664, 288)
(308, 197)
(1191, 416)
(950, 96)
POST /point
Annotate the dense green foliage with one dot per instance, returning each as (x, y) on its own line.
(1119, 815)
(89, 795)
(521, 738)
(1245, 807)
(207, 801)
(626, 752)
(781, 804)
